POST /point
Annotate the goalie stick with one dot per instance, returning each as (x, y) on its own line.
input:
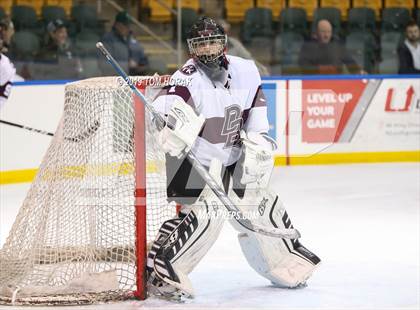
(81, 137)
(210, 181)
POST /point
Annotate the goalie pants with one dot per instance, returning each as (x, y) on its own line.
(184, 184)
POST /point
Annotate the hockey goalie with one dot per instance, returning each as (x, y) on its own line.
(220, 114)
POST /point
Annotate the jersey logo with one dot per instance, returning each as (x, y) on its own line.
(232, 125)
(188, 69)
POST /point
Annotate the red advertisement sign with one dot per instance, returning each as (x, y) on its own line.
(392, 104)
(327, 106)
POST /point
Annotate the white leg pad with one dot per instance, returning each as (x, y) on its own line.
(182, 242)
(206, 209)
(285, 262)
(277, 264)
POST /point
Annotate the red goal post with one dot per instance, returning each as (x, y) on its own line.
(153, 83)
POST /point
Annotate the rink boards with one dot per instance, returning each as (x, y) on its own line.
(315, 120)
(344, 119)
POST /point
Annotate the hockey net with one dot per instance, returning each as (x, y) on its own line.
(81, 233)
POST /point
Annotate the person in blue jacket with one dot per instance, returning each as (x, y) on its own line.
(124, 48)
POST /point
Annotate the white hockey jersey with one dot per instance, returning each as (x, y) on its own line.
(238, 104)
(7, 72)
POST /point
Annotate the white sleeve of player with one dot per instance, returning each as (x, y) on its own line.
(162, 104)
(258, 147)
(7, 73)
(4, 93)
(257, 120)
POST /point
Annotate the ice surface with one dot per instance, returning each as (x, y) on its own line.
(362, 220)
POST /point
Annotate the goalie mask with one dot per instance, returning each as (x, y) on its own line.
(207, 43)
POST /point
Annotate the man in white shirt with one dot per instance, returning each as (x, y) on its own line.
(409, 51)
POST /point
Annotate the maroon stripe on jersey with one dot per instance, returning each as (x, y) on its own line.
(212, 130)
(177, 90)
(259, 99)
(245, 115)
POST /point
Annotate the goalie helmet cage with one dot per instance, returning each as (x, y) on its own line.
(98, 198)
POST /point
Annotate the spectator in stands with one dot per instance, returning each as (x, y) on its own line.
(124, 48)
(57, 57)
(325, 55)
(6, 33)
(236, 48)
(409, 50)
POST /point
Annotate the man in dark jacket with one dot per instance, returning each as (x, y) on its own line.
(322, 55)
(6, 33)
(124, 48)
(409, 50)
(57, 58)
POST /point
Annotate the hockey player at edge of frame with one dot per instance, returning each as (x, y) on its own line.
(7, 73)
(220, 115)
(7, 69)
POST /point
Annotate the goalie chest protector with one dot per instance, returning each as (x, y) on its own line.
(225, 106)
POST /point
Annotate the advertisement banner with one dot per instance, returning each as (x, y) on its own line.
(327, 108)
(356, 115)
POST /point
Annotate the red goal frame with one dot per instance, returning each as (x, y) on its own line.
(140, 179)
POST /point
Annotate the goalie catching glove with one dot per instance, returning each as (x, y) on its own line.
(258, 159)
(182, 128)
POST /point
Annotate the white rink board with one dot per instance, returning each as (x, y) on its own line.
(36, 106)
(40, 106)
(377, 130)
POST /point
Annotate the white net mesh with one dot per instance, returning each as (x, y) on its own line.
(74, 237)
